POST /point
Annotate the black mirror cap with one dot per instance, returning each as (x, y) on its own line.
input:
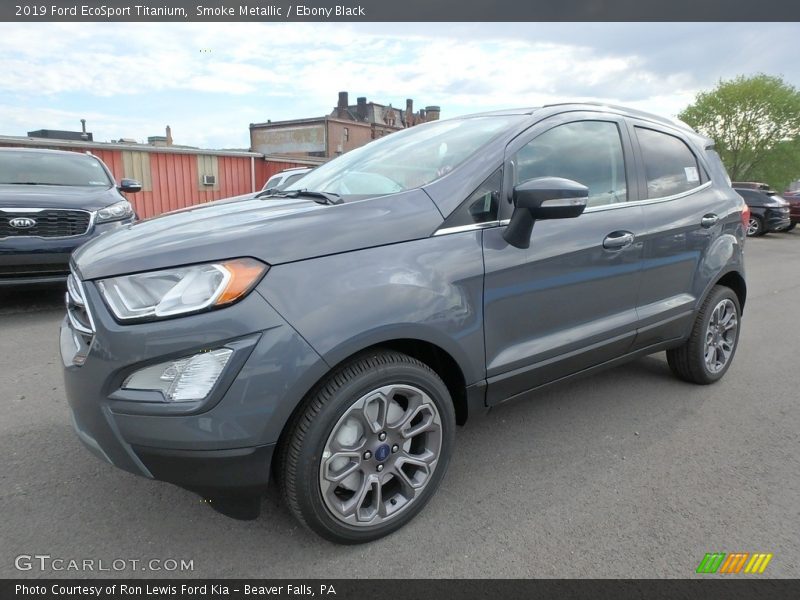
(551, 197)
(543, 198)
(131, 186)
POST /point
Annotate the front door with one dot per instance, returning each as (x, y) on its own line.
(568, 302)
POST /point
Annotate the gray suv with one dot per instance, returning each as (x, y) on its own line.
(335, 335)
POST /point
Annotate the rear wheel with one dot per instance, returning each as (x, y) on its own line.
(708, 353)
(369, 448)
(755, 226)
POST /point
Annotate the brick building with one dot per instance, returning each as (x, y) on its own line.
(348, 126)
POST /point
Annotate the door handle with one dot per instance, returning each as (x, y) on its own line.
(618, 240)
(709, 220)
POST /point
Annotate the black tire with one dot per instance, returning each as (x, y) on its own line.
(308, 433)
(687, 362)
(756, 227)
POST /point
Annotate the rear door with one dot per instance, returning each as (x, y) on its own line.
(683, 214)
(568, 302)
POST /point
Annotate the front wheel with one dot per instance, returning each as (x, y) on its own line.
(369, 448)
(708, 353)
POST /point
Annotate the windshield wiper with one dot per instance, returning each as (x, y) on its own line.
(30, 183)
(318, 197)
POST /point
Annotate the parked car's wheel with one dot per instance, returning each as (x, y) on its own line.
(789, 228)
(755, 226)
(706, 355)
(369, 447)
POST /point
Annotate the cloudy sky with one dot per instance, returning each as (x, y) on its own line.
(209, 81)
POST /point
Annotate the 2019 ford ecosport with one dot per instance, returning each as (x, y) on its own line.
(335, 335)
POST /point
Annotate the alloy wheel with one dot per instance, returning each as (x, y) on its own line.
(721, 335)
(380, 455)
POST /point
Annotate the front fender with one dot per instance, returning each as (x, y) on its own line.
(429, 289)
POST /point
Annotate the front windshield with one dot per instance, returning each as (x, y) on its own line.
(44, 168)
(407, 159)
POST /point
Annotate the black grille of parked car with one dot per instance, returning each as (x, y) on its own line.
(45, 223)
(77, 310)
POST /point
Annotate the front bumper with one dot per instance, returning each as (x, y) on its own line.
(35, 260)
(777, 219)
(220, 446)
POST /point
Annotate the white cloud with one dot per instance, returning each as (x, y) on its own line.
(210, 80)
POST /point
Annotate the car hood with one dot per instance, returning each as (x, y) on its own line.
(274, 230)
(56, 196)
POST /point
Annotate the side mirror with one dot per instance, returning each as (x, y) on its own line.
(543, 198)
(130, 186)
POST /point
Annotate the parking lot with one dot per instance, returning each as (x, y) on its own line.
(630, 473)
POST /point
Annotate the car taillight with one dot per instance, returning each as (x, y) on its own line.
(746, 216)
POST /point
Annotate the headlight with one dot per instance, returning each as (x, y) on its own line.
(160, 294)
(115, 212)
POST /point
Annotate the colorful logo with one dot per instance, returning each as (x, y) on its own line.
(736, 562)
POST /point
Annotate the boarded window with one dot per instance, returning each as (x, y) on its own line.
(136, 165)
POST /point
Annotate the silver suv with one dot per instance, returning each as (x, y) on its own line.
(335, 335)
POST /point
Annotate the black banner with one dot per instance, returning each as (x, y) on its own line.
(407, 10)
(240, 589)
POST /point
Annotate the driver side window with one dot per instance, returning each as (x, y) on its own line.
(589, 152)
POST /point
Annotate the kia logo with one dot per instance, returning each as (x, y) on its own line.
(22, 222)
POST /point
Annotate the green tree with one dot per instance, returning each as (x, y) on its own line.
(755, 125)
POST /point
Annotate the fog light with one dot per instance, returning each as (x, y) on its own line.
(182, 380)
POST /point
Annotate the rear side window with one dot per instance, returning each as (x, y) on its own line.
(716, 164)
(669, 165)
(589, 152)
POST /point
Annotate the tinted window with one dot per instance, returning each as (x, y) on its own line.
(669, 166)
(44, 168)
(589, 152)
(482, 204)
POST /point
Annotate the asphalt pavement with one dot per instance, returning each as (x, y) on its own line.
(629, 473)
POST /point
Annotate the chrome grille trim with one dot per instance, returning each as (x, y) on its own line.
(76, 303)
(10, 211)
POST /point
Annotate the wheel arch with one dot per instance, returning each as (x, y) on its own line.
(442, 362)
(735, 281)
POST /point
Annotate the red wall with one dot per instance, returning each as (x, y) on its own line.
(175, 178)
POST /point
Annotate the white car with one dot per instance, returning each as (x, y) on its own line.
(282, 180)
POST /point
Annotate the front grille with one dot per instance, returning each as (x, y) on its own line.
(48, 223)
(33, 270)
(77, 311)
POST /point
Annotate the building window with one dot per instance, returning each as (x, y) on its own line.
(346, 134)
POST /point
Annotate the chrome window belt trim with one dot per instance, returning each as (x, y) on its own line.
(591, 209)
(470, 227)
(647, 201)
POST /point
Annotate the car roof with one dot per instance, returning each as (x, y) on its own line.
(44, 151)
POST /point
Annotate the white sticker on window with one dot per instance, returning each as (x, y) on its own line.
(692, 176)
